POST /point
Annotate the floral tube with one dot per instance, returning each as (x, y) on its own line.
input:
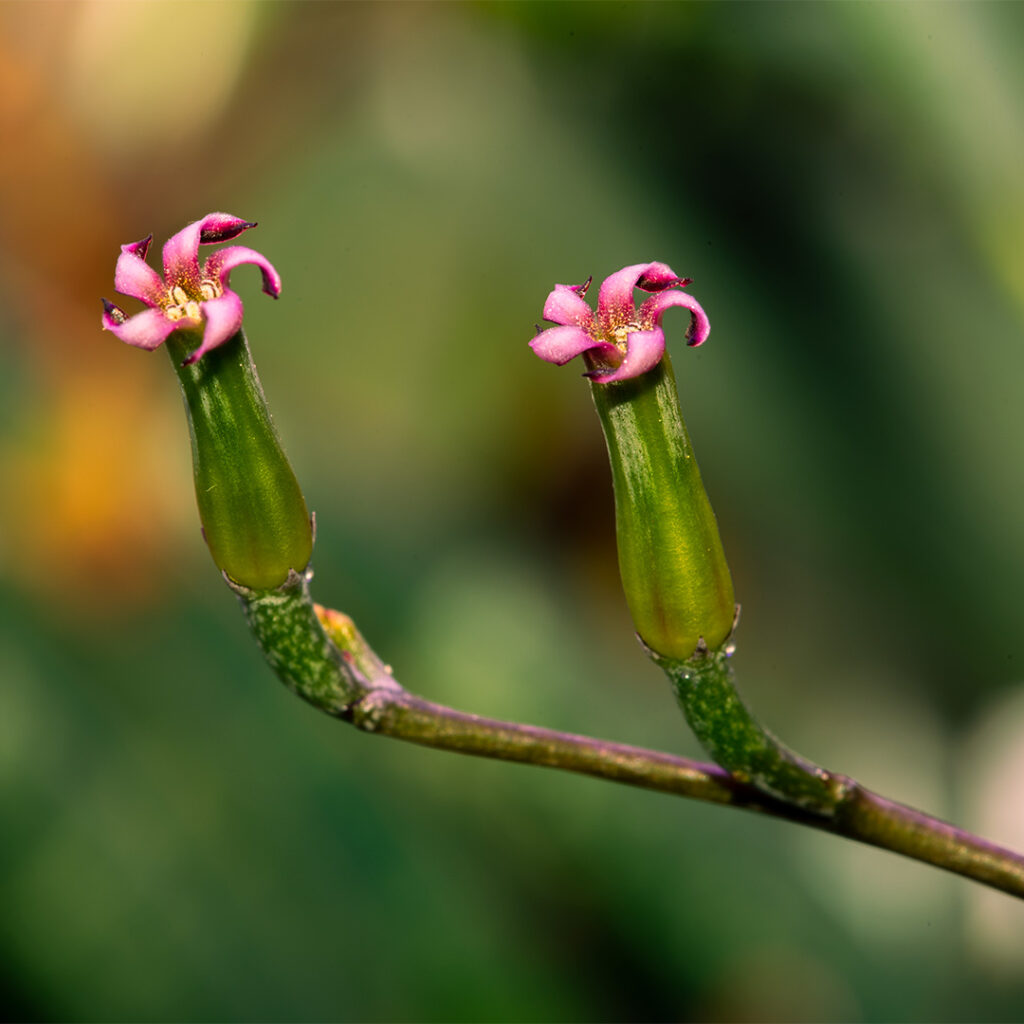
(254, 516)
(674, 573)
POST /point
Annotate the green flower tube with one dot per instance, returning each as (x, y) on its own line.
(674, 573)
(254, 516)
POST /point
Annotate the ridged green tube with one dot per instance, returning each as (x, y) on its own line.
(674, 573)
(254, 516)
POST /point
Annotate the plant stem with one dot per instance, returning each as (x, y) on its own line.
(320, 654)
(706, 691)
(386, 709)
(859, 814)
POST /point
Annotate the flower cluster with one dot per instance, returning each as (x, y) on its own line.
(187, 296)
(622, 341)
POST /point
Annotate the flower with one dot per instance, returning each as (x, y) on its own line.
(623, 341)
(187, 296)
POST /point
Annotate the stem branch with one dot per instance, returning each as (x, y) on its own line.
(859, 814)
(321, 655)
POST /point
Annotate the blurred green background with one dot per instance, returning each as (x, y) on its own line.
(182, 838)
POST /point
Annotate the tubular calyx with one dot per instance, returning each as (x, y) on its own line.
(674, 572)
(254, 516)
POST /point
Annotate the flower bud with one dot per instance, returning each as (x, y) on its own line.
(254, 516)
(674, 572)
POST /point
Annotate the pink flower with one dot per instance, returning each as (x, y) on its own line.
(187, 296)
(623, 341)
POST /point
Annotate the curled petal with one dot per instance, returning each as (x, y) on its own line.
(139, 248)
(560, 344)
(222, 227)
(223, 319)
(615, 305)
(181, 256)
(566, 306)
(221, 263)
(147, 329)
(644, 350)
(134, 277)
(181, 251)
(653, 308)
(658, 276)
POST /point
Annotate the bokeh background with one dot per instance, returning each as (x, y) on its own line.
(182, 838)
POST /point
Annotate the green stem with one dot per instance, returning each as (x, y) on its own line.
(292, 639)
(858, 813)
(706, 691)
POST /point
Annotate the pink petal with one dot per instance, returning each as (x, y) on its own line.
(615, 306)
(181, 251)
(615, 299)
(181, 256)
(653, 309)
(658, 276)
(147, 329)
(221, 263)
(565, 305)
(223, 317)
(222, 227)
(644, 350)
(560, 344)
(134, 277)
(139, 248)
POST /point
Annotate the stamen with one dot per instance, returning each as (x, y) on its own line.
(174, 313)
(179, 295)
(192, 310)
(116, 313)
(209, 289)
(620, 336)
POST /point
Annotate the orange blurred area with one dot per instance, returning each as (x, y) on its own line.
(87, 495)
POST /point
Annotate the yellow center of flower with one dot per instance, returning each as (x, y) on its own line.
(620, 336)
(181, 305)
